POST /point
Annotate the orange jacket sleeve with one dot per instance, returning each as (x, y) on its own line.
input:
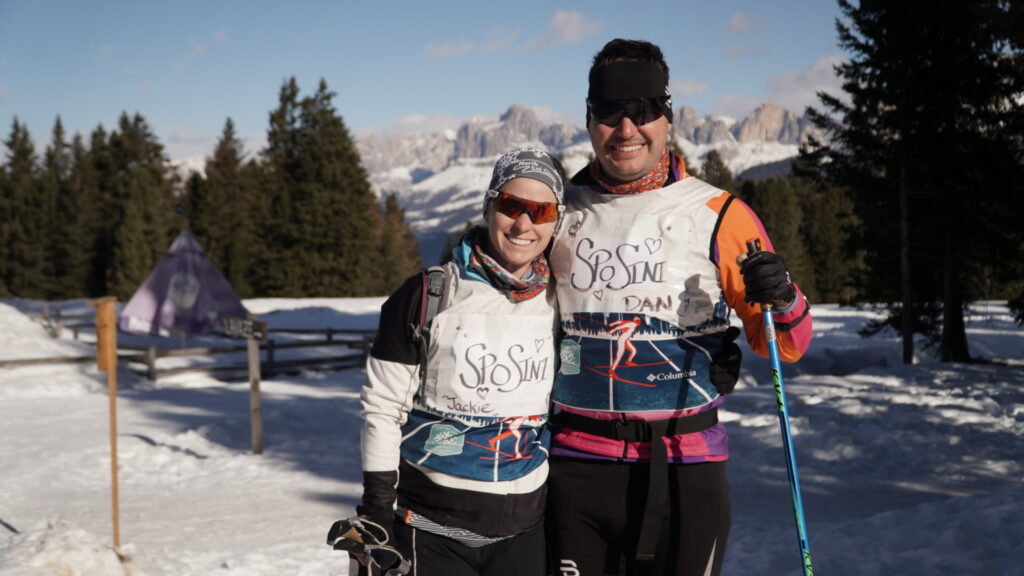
(737, 225)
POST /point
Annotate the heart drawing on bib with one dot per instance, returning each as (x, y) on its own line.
(539, 343)
(482, 392)
(598, 294)
(653, 245)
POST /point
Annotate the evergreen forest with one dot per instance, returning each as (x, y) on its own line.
(92, 216)
(910, 199)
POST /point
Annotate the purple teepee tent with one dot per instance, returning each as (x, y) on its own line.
(185, 293)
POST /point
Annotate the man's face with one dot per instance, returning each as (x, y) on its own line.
(628, 152)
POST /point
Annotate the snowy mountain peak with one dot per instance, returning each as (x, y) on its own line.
(436, 176)
(771, 123)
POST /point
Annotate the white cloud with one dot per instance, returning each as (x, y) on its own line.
(431, 124)
(200, 48)
(735, 53)
(794, 90)
(186, 136)
(564, 28)
(687, 87)
(497, 39)
(3, 95)
(797, 89)
(736, 105)
(738, 24)
(412, 124)
(551, 116)
(107, 49)
(183, 144)
(148, 88)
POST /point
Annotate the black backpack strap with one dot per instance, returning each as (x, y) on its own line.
(430, 304)
(718, 224)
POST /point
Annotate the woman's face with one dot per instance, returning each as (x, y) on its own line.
(516, 242)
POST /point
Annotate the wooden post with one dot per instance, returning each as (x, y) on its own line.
(253, 331)
(151, 363)
(367, 344)
(255, 410)
(106, 361)
(59, 326)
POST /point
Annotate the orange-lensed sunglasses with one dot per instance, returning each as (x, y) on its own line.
(513, 207)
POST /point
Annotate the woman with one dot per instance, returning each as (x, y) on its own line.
(455, 455)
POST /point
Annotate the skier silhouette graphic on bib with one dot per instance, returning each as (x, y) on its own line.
(513, 428)
(623, 331)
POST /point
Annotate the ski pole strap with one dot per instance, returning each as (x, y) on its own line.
(636, 430)
(787, 326)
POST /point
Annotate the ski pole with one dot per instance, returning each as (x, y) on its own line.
(753, 246)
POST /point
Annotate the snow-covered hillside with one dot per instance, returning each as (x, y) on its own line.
(906, 470)
(437, 177)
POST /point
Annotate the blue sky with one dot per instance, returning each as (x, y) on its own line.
(396, 66)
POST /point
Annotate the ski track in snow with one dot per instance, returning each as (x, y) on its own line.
(905, 470)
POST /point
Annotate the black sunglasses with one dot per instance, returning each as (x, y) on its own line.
(640, 111)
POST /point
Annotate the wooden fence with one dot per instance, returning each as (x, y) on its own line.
(358, 340)
(270, 364)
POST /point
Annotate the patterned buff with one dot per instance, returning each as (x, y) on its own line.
(652, 181)
(515, 289)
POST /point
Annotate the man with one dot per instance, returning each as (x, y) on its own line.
(638, 483)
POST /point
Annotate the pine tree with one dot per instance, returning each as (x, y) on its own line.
(453, 240)
(5, 211)
(275, 271)
(928, 144)
(67, 213)
(131, 256)
(827, 222)
(97, 173)
(399, 255)
(342, 208)
(220, 213)
(775, 202)
(321, 213)
(715, 172)
(79, 211)
(25, 215)
(144, 219)
(675, 148)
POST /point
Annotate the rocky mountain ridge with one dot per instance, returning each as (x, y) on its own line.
(438, 177)
(518, 126)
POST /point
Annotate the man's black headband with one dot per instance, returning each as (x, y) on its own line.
(627, 81)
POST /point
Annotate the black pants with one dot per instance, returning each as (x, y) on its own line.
(434, 555)
(595, 509)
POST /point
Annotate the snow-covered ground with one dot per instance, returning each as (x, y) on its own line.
(906, 470)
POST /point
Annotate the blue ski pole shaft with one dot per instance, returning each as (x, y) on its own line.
(787, 436)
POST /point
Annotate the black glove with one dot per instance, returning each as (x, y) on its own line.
(379, 496)
(368, 544)
(766, 280)
(725, 364)
(369, 537)
(385, 518)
